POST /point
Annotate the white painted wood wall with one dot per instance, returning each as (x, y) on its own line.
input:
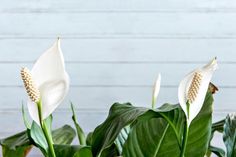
(114, 51)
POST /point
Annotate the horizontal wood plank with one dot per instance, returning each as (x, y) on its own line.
(123, 74)
(99, 99)
(119, 5)
(122, 50)
(87, 120)
(115, 24)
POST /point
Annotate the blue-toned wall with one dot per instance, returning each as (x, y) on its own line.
(114, 51)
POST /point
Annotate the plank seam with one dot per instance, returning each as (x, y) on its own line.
(109, 11)
(93, 110)
(119, 86)
(121, 62)
(120, 36)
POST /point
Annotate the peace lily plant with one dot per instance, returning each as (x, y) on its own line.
(171, 130)
(46, 84)
(191, 94)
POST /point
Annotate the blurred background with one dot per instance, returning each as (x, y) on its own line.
(114, 51)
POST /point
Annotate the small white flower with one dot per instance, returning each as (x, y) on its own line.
(52, 81)
(193, 88)
(156, 90)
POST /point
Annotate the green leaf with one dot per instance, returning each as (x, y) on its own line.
(20, 144)
(229, 135)
(217, 151)
(37, 135)
(19, 152)
(72, 151)
(12, 142)
(153, 136)
(16, 146)
(121, 139)
(120, 115)
(159, 132)
(111, 151)
(219, 127)
(200, 130)
(89, 139)
(63, 135)
(84, 152)
(66, 150)
(80, 132)
(25, 119)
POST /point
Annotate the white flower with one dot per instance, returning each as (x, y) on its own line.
(156, 90)
(193, 88)
(50, 78)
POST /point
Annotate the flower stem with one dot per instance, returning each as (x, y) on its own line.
(153, 102)
(188, 106)
(45, 130)
(185, 139)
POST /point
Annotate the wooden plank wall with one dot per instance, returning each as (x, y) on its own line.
(114, 51)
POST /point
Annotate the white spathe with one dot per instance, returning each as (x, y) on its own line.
(195, 107)
(156, 88)
(51, 79)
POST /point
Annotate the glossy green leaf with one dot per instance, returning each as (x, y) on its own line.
(60, 136)
(72, 151)
(89, 139)
(121, 139)
(12, 142)
(229, 135)
(20, 144)
(66, 150)
(153, 136)
(63, 135)
(25, 119)
(120, 115)
(16, 146)
(200, 130)
(217, 151)
(80, 132)
(19, 152)
(159, 133)
(219, 127)
(111, 151)
(84, 152)
(38, 137)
